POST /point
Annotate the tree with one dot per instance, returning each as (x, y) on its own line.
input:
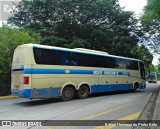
(94, 24)
(142, 53)
(151, 11)
(152, 68)
(9, 40)
(151, 25)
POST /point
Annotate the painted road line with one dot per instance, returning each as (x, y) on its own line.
(99, 114)
(126, 118)
(108, 111)
(8, 97)
(105, 112)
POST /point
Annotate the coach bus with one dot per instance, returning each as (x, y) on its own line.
(152, 77)
(42, 72)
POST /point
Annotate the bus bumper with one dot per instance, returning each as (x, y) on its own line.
(142, 86)
(22, 93)
(38, 93)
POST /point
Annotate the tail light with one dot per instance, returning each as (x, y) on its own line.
(26, 80)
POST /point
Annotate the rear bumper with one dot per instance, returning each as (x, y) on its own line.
(22, 93)
(38, 93)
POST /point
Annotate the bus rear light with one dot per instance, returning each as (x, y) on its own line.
(26, 80)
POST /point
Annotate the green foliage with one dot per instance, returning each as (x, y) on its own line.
(98, 24)
(78, 43)
(152, 68)
(158, 69)
(151, 11)
(151, 24)
(142, 53)
(93, 24)
(9, 40)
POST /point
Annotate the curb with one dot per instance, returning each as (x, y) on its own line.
(8, 97)
(156, 114)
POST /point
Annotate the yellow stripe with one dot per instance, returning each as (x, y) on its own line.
(127, 118)
(99, 114)
(8, 97)
(102, 113)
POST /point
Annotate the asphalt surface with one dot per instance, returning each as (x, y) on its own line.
(109, 106)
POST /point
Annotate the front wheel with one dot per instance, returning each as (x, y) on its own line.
(136, 85)
(83, 92)
(68, 93)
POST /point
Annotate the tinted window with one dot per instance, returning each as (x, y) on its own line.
(152, 74)
(111, 62)
(121, 63)
(53, 57)
(130, 64)
(47, 56)
(71, 59)
(84, 60)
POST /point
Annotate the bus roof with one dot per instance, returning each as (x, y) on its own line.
(79, 50)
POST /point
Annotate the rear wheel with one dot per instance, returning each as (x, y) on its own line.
(83, 92)
(68, 93)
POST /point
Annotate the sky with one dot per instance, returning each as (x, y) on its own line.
(133, 5)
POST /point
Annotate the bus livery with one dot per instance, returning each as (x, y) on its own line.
(42, 72)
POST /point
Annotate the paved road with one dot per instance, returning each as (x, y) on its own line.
(109, 106)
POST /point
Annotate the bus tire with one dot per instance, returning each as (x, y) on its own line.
(68, 93)
(136, 86)
(83, 92)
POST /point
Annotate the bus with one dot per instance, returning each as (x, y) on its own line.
(42, 72)
(152, 77)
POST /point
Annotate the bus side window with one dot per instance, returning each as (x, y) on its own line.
(83, 59)
(64, 58)
(71, 59)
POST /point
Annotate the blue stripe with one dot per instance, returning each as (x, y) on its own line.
(43, 71)
(22, 93)
(110, 87)
(64, 71)
(55, 92)
(37, 93)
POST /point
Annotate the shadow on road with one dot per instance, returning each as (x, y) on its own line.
(59, 100)
(113, 93)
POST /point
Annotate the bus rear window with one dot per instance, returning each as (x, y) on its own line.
(152, 74)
